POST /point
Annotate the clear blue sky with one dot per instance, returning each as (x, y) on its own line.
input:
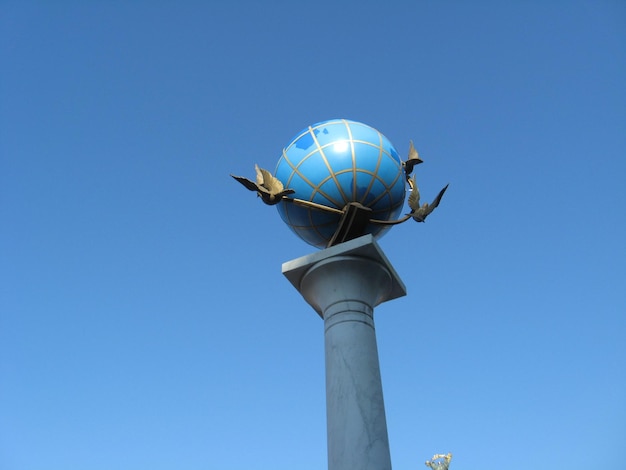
(144, 319)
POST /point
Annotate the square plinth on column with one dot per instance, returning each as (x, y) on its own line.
(362, 247)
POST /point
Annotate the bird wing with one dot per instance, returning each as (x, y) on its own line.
(270, 182)
(428, 208)
(414, 197)
(251, 185)
(413, 155)
(412, 160)
(437, 200)
(259, 175)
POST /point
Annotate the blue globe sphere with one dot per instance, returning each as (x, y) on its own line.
(334, 163)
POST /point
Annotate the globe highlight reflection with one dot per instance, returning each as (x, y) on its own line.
(334, 163)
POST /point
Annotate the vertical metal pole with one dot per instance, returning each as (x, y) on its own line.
(343, 286)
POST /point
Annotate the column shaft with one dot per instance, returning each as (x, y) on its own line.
(343, 284)
(345, 289)
(355, 410)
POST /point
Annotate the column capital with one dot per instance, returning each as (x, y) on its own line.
(357, 268)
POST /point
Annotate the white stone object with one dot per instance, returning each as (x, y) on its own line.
(343, 284)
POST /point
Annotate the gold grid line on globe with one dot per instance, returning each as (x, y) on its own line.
(381, 156)
(296, 171)
(317, 188)
(350, 139)
(330, 169)
(375, 177)
(380, 159)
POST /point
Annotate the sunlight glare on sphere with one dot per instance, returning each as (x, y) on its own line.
(334, 163)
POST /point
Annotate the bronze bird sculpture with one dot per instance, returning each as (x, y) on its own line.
(412, 160)
(267, 186)
(418, 213)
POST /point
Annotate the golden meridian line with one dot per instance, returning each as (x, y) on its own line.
(392, 206)
(306, 180)
(376, 177)
(334, 123)
(352, 141)
(349, 170)
(345, 122)
(309, 129)
(382, 152)
(373, 180)
(379, 147)
(295, 139)
(360, 171)
(315, 189)
(387, 190)
(318, 189)
(330, 170)
(356, 141)
(314, 226)
(323, 182)
(296, 170)
(286, 158)
(399, 166)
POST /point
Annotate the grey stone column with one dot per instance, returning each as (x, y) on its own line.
(344, 284)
